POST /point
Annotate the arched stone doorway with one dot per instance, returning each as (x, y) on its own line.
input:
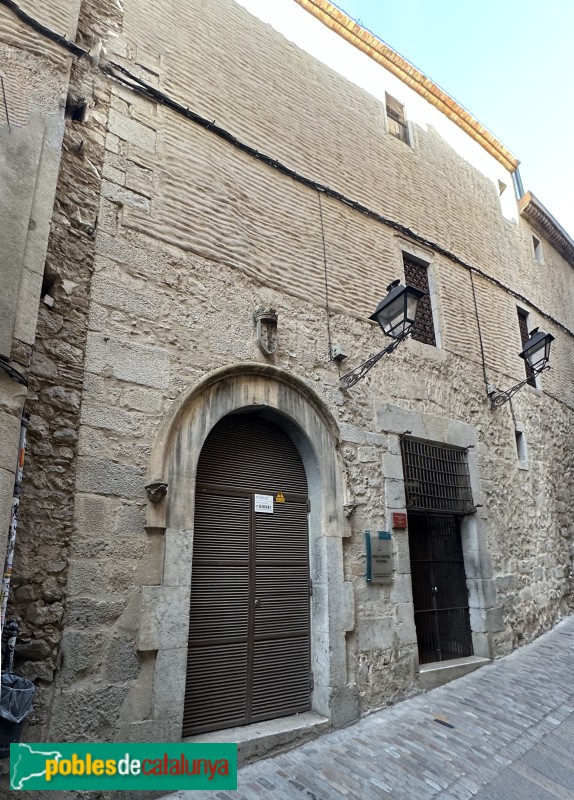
(295, 408)
(249, 619)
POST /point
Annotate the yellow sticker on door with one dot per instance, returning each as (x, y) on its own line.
(280, 497)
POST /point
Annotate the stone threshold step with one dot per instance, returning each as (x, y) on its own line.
(440, 672)
(270, 737)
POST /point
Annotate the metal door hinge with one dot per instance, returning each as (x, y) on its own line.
(310, 587)
(311, 681)
(308, 505)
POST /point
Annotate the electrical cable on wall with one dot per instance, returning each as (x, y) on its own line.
(146, 90)
(483, 358)
(12, 372)
(326, 279)
(5, 103)
(43, 30)
(137, 85)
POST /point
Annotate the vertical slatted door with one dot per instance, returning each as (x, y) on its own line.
(281, 647)
(440, 594)
(249, 643)
(216, 689)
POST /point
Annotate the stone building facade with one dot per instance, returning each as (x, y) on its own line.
(245, 156)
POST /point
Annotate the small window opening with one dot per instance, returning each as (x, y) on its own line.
(501, 187)
(521, 446)
(48, 286)
(76, 108)
(396, 120)
(537, 247)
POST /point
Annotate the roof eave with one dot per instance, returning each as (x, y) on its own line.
(544, 223)
(334, 18)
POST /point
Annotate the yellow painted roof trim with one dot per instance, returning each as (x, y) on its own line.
(334, 18)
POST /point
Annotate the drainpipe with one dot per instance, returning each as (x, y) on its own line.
(517, 182)
(7, 574)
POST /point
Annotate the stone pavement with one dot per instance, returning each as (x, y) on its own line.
(512, 737)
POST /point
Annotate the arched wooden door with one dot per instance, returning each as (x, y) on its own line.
(249, 632)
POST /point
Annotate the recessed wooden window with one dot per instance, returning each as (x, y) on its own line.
(537, 247)
(416, 275)
(396, 120)
(524, 337)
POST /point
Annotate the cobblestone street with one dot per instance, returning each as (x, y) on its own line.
(504, 732)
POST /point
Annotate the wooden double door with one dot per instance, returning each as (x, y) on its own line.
(249, 626)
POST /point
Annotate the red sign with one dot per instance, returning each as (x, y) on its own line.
(399, 520)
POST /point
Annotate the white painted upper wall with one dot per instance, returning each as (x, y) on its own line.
(315, 38)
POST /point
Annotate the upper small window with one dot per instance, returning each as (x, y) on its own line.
(396, 120)
(416, 275)
(537, 247)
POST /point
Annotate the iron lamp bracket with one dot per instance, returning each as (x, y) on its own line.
(499, 398)
(357, 374)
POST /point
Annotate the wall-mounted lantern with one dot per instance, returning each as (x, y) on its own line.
(395, 314)
(397, 311)
(536, 353)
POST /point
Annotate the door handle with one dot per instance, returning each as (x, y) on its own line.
(257, 602)
(434, 590)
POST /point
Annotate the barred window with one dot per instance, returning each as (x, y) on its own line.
(524, 337)
(436, 477)
(416, 275)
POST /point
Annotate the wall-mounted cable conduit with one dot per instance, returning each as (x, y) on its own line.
(12, 372)
(137, 85)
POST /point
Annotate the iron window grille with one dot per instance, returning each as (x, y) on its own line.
(524, 337)
(436, 477)
(416, 275)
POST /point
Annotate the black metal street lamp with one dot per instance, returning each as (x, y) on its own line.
(536, 353)
(395, 314)
(397, 311)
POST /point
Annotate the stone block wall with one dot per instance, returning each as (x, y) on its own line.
(34, 84)
(39, 584)
(191, 238)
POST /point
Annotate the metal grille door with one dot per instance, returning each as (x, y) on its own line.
(249, 639)
(440, 593)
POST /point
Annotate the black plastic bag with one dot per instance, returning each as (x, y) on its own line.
(16, 696)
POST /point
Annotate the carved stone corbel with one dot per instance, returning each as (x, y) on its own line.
(156, 491)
